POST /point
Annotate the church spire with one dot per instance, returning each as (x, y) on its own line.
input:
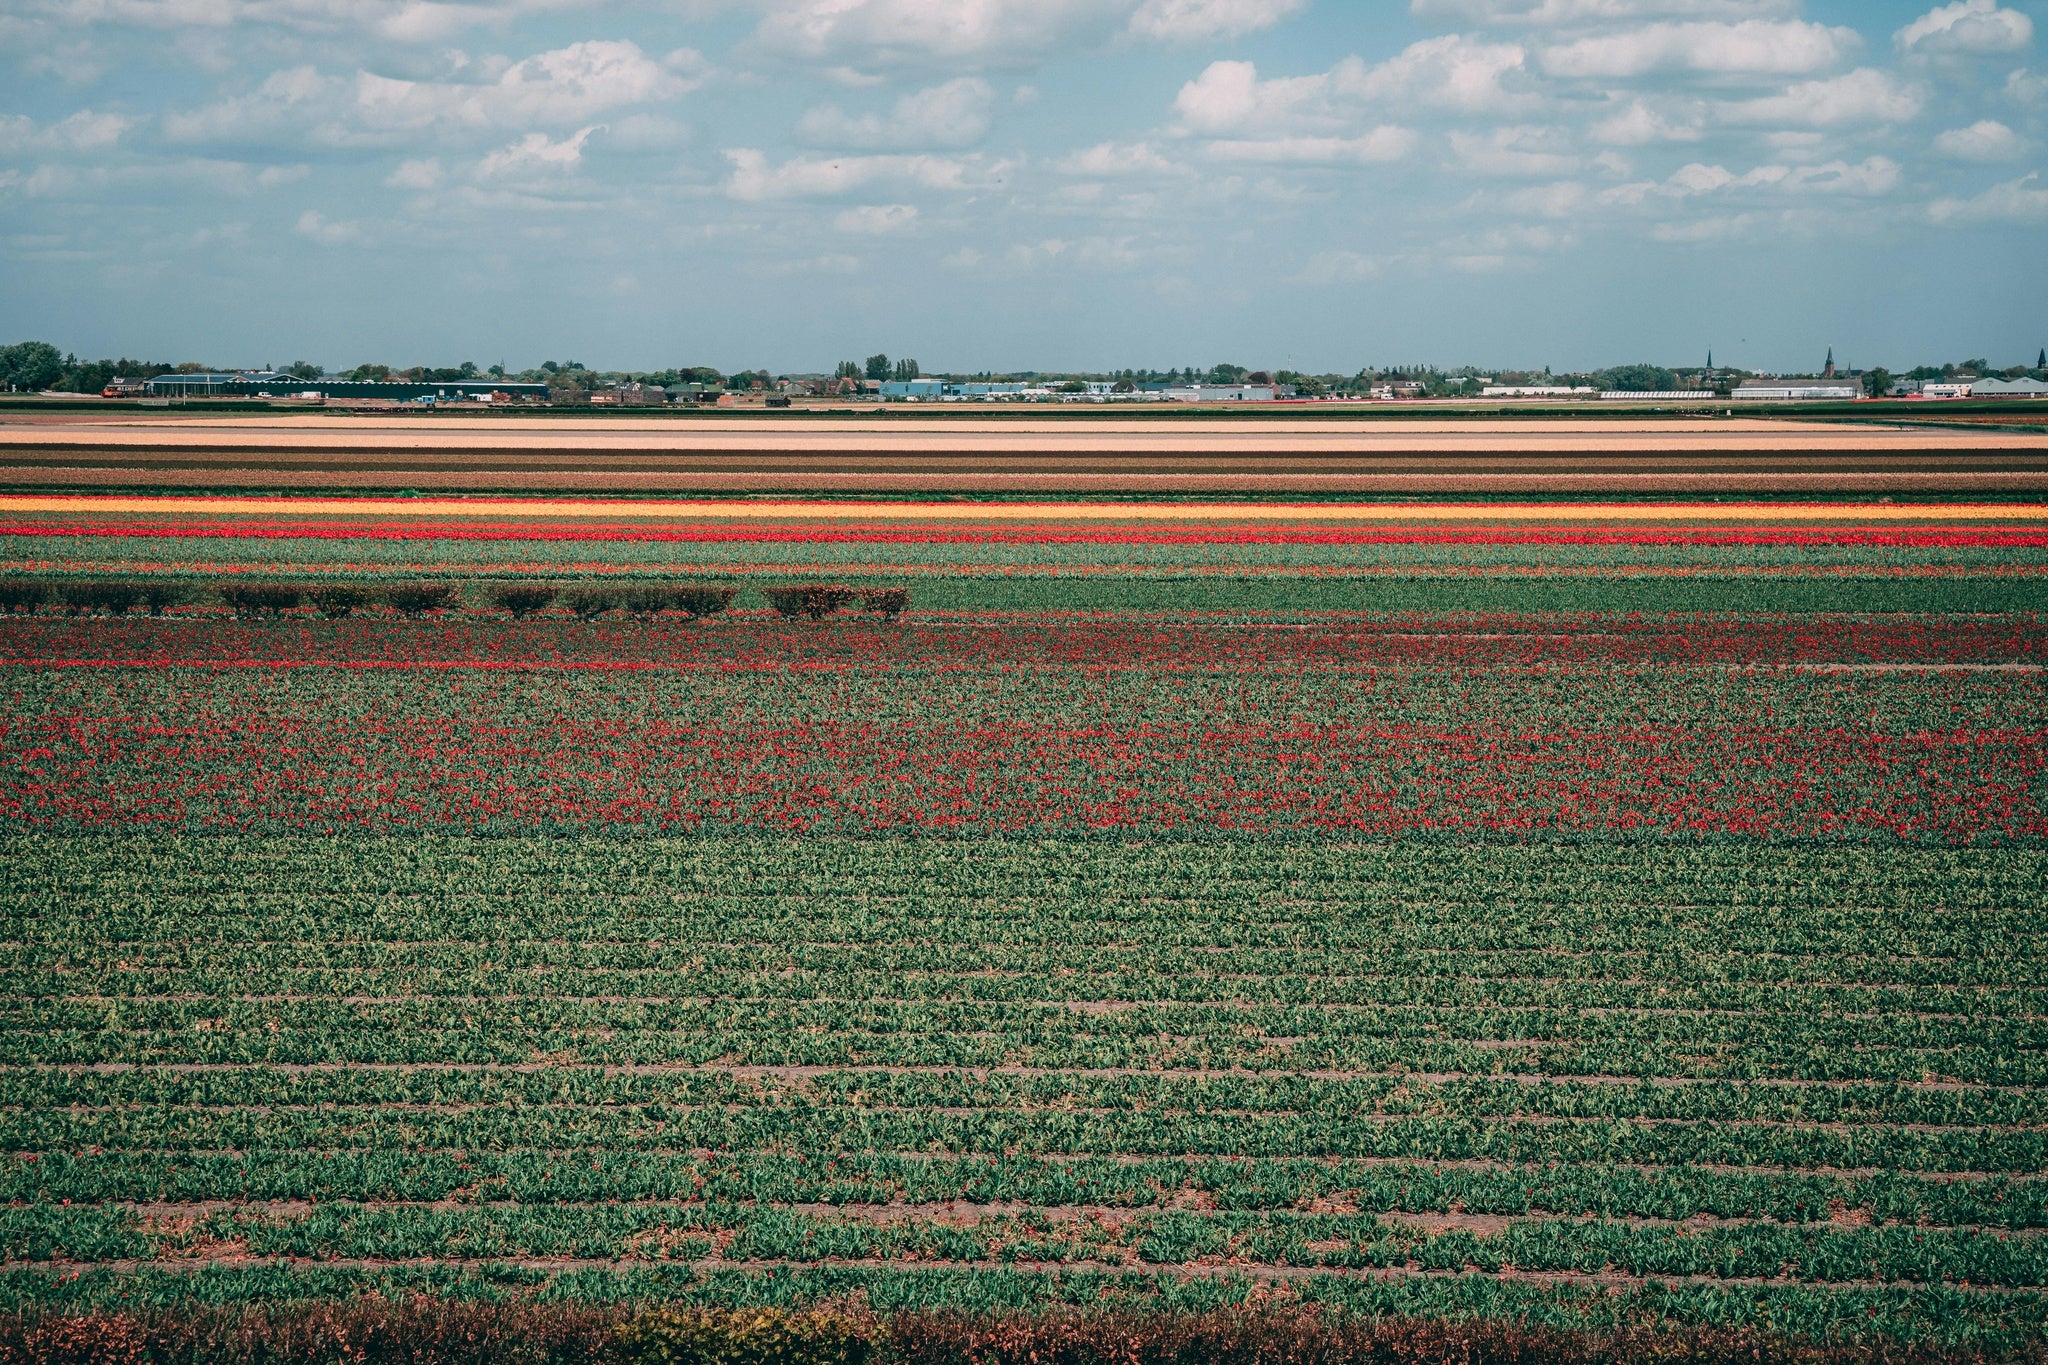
(1829, 372)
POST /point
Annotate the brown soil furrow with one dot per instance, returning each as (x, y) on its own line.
(968, 1213)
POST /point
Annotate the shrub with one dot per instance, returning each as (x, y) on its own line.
(888, 602)
(522, 599)
(417, 599)
(765, 1336)
(261, 599)
(590, 600)
(645, 599)
(704, 599)
(815, 600)
(159, 593)
(338, 599)
(20, 596)
(111, 595)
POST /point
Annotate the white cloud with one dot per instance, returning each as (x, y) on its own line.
(1386, 143)
(1111, 159)
(865, 33)
(877, 220)
(536, 152)
(422, 174)
(2024, 87)
(1230, 97)
(84, 131)
(1564, 12)
(2019, 201)
(1454, 73)
(1984, 140)
(1340, 267)
(270, 177)
(406, 21)
(1752, 47)
(328, 233)
(754, 180)
(1967, 28)
(1865, 95)
(1187, 21)
(1565, 199)
(565, 86)
(1872, 177)
(1639, 125)
(950, 115)
(1466, 75)
(1515, 151)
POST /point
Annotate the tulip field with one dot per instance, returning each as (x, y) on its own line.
(1594, 917)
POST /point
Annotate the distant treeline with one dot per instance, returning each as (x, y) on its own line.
(38, 366)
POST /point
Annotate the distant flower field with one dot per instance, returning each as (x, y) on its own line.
(1598, 926)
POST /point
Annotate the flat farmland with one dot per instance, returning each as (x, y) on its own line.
(1268, 454)
(1613, 924)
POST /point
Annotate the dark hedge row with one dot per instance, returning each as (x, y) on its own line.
(639, 599)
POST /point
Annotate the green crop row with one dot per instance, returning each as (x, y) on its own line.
(1167, 1238)
(852, 1178)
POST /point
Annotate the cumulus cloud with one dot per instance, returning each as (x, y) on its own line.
(1967, 28)
(1340, 267)
(84, 131)
(1386, 143)
(421, 174)
(1875, 176)
(1201, 20)
(2020, 201)
(1639, 124)
(1984, 140)
(754, 179)
(567, 85)
(1751, 47)
(536, 152)
(1568, 12)
(1457, 73)
(406, 21)
(866, 33)
(1520, 150)
(1863, 96)
(1107, 160)
(327, 232)
(1453, 74)
(877, 220)
(950, 115)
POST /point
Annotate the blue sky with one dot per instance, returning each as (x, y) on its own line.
(1002, 184)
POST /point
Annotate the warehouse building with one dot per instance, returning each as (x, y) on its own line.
(1797, 390)
(269, 384)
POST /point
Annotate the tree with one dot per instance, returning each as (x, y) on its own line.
(30, 365)
(905, 370)
(847, 369)
(1877, 383)
(1638, 379)
(878, 367)
(304, 369)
